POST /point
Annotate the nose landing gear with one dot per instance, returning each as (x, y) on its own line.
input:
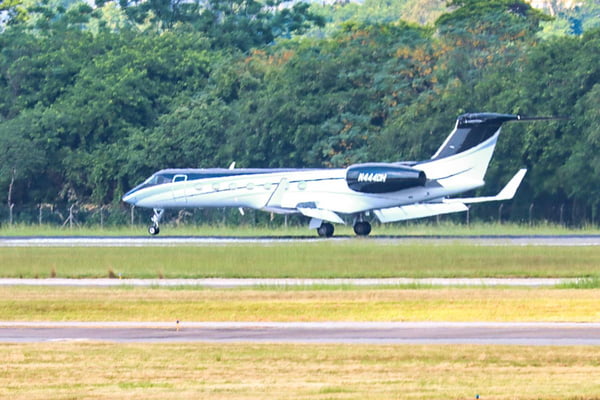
(154, 229)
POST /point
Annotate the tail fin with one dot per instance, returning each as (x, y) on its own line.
(470, 131)
(463, 158)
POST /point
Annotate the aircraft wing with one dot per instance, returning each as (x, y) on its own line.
(421, 210)
(321, 214)
(507, 193)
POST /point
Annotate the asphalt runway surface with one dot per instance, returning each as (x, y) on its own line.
(528, 334)
(141, 241)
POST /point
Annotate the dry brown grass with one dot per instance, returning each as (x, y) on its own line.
(143, 304)
(250, 371)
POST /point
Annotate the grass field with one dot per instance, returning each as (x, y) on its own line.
(274, 371)
(139, 304)
(72, 370)
(402, 229)
(346, 259)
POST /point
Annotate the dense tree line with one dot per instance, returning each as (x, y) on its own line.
(95, 99)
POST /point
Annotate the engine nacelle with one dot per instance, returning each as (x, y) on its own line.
(383, 178)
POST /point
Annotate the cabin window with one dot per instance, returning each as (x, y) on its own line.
(180, 178)
(268, 186)
(250, 186)
(302, 185)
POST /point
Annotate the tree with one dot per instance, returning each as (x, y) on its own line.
(482, 33)
(20, 160)
(244, 24)
(12, 12)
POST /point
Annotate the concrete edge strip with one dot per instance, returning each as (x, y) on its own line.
(284, 282)
(296, 325)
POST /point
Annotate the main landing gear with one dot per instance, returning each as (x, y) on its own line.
(362, 228)
(325, 230)
(154, 229)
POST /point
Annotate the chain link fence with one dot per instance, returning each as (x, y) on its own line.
(72, 216)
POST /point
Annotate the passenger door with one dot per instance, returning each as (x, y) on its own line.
(179, 190)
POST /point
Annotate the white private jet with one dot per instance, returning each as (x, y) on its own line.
(391, 191)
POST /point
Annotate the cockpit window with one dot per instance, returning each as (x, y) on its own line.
(158, 179)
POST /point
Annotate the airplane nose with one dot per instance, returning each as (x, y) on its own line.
(129, 199)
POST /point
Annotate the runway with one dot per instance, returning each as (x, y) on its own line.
(528, 334)
(142, 241)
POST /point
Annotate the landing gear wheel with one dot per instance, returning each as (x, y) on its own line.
(153, 230)
(325, 230)
(362, 228)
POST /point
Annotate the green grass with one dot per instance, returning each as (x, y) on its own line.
(287, 371)
(320, 259)
(403, 229)
(583, 283)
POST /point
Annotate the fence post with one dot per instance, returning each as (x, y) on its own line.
(101, 217)
(500, 213)
(11, 205)
(40, 216)
(530, 214)
(562, 209)
(468, 216)
(10, 213)
(132, 214)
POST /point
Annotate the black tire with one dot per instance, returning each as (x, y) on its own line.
(325, 230)
(362, 228)
(153, 230)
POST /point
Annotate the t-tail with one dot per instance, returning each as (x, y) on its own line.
(462, 160)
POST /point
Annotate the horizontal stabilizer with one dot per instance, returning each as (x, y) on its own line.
(322, 214)
(525, 118)
(413, 211)
(507, 193)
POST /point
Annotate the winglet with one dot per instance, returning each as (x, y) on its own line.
(508, 192)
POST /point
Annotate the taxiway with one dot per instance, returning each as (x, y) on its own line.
(141, 241)
(307, 332)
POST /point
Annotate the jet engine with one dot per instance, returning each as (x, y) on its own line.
(383, 178)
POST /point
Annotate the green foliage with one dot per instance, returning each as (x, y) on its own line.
(93, 100)
(379, 11)
(14, 11)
